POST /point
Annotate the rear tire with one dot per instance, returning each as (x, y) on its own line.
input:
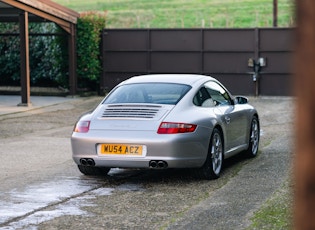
(253, 138)
(212, 167)
(93, 171)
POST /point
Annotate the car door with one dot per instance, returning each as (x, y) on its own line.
(232, 116)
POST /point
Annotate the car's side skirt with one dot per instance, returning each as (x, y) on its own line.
(235, 150)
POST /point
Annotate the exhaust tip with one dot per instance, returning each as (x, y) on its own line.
(83, 162)
(87, 162)
(153, 164)
(158, 164)
(162, 164)
(90, 162)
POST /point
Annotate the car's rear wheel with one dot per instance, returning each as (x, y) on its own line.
(93, 171)
(212, 167)
(253, 138)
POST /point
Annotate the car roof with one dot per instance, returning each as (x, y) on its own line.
(189, 79)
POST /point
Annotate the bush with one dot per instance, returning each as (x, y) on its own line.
(89, 30)
(47, 62)
(49, 53)
(9, 55)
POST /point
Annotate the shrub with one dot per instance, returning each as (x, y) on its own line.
(89, 29)
(49, 53)
(46, 47)
(9, 54)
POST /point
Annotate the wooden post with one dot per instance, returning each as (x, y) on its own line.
(24, 56)
(275, 13)
(72, 60)
(304, 164)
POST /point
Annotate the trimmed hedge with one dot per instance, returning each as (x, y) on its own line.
(46, 58)
(89, 30)
(49, 53)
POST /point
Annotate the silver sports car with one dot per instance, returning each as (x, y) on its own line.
(166, 121)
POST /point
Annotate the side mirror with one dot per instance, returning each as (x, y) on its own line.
(240, 100)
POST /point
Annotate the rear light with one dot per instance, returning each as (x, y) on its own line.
(82, 127)
(171, 128)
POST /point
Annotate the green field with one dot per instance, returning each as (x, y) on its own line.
(187, 13)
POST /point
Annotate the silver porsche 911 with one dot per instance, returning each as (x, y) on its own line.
(166, 121)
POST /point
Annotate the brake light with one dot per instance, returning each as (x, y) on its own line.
(171, 128)
(82, 127)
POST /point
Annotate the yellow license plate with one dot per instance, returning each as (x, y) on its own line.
(121, 149)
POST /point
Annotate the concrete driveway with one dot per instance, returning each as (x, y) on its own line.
(37, 171)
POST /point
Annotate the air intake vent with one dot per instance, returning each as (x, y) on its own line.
(131, 111)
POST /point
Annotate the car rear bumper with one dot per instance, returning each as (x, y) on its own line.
(143, 162)
(176, 151)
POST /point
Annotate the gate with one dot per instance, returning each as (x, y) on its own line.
(222, 53)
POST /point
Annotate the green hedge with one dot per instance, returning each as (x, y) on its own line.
(47, 64)
(49, 53)
(89, 30)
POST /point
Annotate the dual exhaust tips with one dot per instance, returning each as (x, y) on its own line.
(158, 164)
(87, 162)
(155, 164)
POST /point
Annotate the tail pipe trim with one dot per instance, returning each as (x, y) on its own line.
(157, 164)
(87, 162)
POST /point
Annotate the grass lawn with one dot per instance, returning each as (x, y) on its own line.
(276, 212)
(187, 13)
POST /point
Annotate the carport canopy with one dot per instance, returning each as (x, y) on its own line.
(23, 11)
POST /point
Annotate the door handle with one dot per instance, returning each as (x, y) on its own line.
(227, 119)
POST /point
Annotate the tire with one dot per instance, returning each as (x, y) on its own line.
(254, 136)
(212, 167)
(93, 171)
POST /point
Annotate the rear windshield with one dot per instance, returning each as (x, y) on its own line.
(155, 93)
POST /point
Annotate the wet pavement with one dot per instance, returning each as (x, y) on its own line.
(41, 187)
(38, 170)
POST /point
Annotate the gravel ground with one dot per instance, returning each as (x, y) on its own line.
(171, 199)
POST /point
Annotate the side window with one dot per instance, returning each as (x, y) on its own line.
(203, 98)
(218, 94)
